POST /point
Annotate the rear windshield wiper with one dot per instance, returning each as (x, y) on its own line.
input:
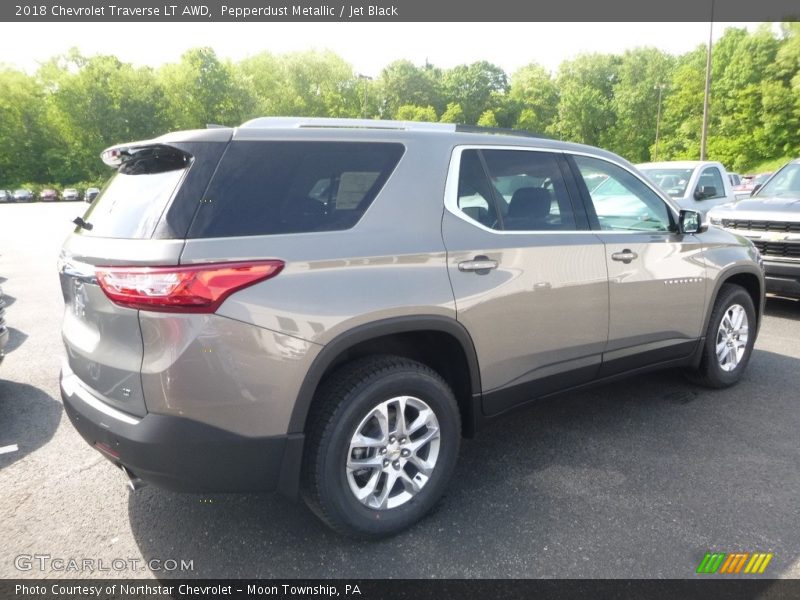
(82, 224)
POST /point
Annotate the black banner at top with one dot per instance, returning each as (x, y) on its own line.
(396, 10)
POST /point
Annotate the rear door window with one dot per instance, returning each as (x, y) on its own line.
(530, 190)
(514, 190)
(277, 187)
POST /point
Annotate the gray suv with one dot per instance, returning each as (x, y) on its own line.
(770, 217)
(325, 307)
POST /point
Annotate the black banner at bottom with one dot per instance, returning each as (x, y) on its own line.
(390, 589)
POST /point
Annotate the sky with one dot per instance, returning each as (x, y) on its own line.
(367, 46)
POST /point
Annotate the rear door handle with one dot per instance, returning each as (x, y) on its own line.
(480, 265)
(626, 256)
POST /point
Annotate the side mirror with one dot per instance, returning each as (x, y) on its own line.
(756, 187)
(705, 191)
(691, 221)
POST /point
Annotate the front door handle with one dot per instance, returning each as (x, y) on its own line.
(480, 265)
(626, 256)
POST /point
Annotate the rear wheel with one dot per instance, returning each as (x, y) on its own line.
(729, 339)
(382, 444)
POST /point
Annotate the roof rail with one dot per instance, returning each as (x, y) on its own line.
(322, 122)
(500, 131)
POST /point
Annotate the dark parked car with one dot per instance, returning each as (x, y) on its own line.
(91, 194)
(6, 196)
(23, 195)
(70, 195)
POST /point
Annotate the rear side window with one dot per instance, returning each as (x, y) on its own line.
(514, 190)
(263, 188)
(134, 199)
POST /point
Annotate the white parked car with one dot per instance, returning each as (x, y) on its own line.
(70, 194)
(693, 184)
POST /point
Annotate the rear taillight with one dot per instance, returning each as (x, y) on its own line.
(194, 289)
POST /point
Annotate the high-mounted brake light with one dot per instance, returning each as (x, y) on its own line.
(112, 157)
(193, 289)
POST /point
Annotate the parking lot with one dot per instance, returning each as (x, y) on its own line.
(635, 479)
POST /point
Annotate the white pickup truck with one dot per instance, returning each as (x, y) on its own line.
(693, 184)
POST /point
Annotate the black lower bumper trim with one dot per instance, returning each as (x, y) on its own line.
(185, 455)
(782, 277)
(783, 286)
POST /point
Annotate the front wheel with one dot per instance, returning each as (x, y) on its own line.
(382, 444)
(729, 339)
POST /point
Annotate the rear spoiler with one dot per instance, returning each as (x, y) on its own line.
(120, 153)
(117, 155)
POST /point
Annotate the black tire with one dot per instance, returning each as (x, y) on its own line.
(710, 372)
(343, 401)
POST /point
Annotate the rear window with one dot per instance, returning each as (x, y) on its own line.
(134, 199)
(263, 188)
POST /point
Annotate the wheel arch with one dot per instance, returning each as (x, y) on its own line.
(400, 335)
(749, 278)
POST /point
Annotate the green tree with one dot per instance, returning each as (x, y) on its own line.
(54, 124)
(264, 76)
(477, 87)
(488, 119)
(640, 76)
(586, 109)
(533, 99)
(409, 112)
(24, 130)
(200, 89)
(780, 97)
(453, 114)
(402, 83)
(93, 103)
(682, 116)
(320, 84)
(736, 131)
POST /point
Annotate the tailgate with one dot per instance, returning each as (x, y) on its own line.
(104, 340)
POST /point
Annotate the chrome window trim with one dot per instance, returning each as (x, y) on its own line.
(453, 172)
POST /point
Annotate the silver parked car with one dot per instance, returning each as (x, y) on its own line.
(91, 194)
(325, 307)
(23, 195)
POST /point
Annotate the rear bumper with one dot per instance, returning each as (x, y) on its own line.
(181, 454)
(782, 278)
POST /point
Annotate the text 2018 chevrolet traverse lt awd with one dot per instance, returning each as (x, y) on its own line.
(325, 307)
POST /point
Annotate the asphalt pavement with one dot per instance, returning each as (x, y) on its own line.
(635, 479)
